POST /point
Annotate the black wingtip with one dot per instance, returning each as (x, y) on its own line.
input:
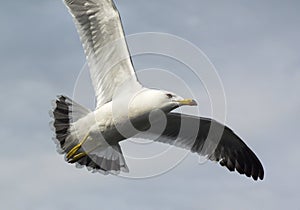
(242, 160)
(248, 166)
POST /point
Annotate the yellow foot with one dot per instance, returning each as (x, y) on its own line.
(77, 157)
(72, 152)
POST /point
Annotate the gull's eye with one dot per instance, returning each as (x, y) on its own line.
(169, 95)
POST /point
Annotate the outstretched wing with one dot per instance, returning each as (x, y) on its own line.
(212, 139)
(100, 29)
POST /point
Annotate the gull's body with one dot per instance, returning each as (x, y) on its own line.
(91, 138)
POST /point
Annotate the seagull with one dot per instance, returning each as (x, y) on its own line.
(125, 108)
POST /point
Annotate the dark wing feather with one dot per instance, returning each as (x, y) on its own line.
(212, 139)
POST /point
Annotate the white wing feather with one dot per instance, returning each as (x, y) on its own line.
(99, 26)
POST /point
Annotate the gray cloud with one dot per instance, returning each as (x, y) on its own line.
(255, 48)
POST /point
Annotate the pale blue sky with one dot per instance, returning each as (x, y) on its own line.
(255, 48)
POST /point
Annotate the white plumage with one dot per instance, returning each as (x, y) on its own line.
(101, 33)
(91, 138)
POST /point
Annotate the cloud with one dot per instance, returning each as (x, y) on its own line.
(255, 48)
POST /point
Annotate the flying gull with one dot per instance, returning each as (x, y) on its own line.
(124, 107)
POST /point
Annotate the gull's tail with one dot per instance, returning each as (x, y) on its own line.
(70, 140)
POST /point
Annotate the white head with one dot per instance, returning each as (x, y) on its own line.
(148, 100)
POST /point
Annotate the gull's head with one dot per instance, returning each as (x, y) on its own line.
(148, 100)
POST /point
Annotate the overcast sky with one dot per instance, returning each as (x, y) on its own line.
(253, 44)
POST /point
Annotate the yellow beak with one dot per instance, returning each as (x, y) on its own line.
(189, 102)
